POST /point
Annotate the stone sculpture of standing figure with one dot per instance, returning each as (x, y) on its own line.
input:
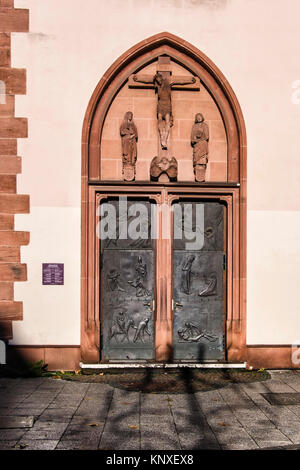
(129, 135)
(199, 142)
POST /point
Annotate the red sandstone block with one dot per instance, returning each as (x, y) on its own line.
(183, 109)
(62, 358)
(217, 131)
(4, 57)
(111, 149)
(8, 184)
(109, 170)
(6, 291)
(145, 107)
(142, 170)
(209, 109)
(14, 238)
(10, 165)
(14, 204)
(119, 107)
(218, 171)
(4, 39)
(7, 3)
(11, 310)
(8, 146)
(6, 330)
(7, 105)
(147, 149)
(13, 272)
(14, 20)
(9, 254)
(13, 127)
(14, 79)
(23, 354)
(7, 222)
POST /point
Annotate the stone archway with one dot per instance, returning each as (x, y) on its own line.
(101, 175)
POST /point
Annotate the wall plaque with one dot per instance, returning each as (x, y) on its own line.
(53, 274)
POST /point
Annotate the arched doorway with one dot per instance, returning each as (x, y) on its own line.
(197, 307)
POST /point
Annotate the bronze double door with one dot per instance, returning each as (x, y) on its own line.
(162, 294)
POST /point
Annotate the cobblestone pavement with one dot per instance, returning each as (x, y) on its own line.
(71, 415)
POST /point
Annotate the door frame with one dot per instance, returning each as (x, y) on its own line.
(235, 267)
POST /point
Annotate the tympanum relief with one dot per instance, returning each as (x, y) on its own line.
(164, 165)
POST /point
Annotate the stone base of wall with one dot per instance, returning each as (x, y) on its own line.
(56, 357)
(68, 357)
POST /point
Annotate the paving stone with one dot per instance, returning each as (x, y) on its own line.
(282, 398)
(234, 417)
(76, 445)
(233, 437)
(19, 411)
(147, 419)
(91, 436)
(11, 434)
(5, 411)
(279, 415)
(277, 386)
(255, 387)
(160, 440)
(38, 444)
(292, 432)
(56, 414)
(193, 440)
(53, 432)
(120, 440)
(7, 445)
(85, 420)
(261, 434)
(7, 422)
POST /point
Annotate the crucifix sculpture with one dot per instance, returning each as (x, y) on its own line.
(163, 82)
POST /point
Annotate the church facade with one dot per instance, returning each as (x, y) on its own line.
(148, 212)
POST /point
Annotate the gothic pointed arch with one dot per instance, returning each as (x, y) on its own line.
(228, 170)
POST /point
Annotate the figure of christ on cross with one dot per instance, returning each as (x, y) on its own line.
(163, 82)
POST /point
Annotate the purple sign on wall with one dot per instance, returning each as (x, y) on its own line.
(53, 274)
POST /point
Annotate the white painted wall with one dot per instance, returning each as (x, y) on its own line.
(70, 45)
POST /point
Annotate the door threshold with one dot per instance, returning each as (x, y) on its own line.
(157, 365)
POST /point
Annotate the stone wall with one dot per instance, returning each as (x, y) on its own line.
(13, 83)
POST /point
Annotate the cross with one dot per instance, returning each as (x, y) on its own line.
(163, 82)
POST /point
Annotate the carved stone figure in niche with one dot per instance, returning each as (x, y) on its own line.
(186, 274)
(211, 288)
(192, 333)
(129, 135)
(113, 281)
(199, 142)
(141, 329)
